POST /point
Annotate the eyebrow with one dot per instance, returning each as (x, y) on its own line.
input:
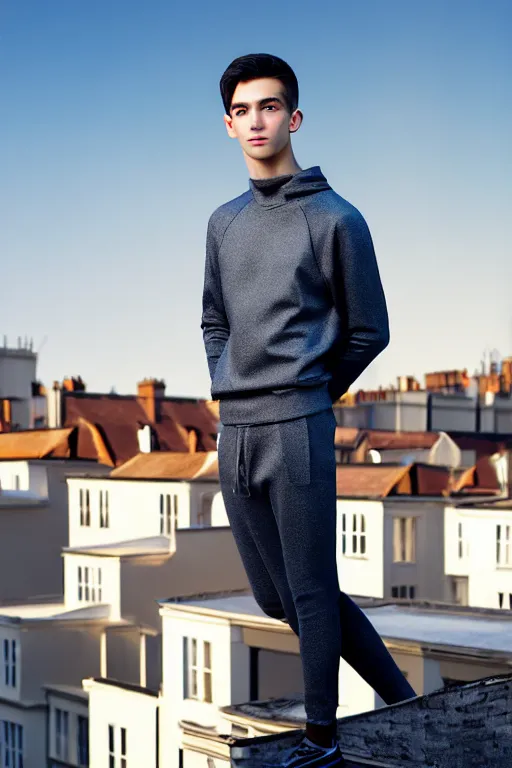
(260, 102)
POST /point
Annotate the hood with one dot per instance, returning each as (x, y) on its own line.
(279, 190)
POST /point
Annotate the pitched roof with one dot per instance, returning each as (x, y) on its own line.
(119, 417)
(481, 478)
(170, 465)
(368, 480)
(36, 444)
(347, 437)
(381, 439)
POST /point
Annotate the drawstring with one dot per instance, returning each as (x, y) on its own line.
(241, 486)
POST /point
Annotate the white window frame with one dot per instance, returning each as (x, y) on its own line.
(117, 746)
(195, 671)
(357, 537)
(462, 543)
(11, 739)
(204, 517)
(84, 496)
(82, 747)
(168, 513)
(10, 657)
(104, 509)
(90, 586)
(404, 539)
(61, 733)
(503, 552)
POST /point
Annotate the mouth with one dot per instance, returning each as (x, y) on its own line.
(258, 141)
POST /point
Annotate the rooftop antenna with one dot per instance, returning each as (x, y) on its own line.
(45, 339)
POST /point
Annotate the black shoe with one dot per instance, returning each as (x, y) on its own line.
(309, 755)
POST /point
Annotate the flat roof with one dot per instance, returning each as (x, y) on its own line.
(150, 545)
(68, 691)
(414, 623)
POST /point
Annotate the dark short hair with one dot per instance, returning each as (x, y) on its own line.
(254, 66)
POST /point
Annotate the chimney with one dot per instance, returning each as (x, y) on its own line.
(192, 441)
(150, 393)
(73, 384)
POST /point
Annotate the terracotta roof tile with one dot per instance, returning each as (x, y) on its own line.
(119, 417)
(383, 439)
(368, 480)
(169, 465)
(35, 444)
(347, 437)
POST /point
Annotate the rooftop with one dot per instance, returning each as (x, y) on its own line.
(473, 631)
(463, 726)
(170, 465)
(152, 545)
(119, 417)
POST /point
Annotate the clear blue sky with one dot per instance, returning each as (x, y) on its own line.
(113, 154)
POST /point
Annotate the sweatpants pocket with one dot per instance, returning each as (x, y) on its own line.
(295, 450)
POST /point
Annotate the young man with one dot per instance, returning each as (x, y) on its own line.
(293, 313)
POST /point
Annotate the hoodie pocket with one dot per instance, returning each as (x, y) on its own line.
(295, 450)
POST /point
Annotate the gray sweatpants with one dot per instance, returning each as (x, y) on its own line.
(278, 484)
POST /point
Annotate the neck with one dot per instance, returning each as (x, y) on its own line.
(278, 165)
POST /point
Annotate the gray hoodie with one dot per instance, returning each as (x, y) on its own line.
(293, 305)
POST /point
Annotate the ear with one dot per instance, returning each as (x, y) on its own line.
(229, 126)
(296, 121)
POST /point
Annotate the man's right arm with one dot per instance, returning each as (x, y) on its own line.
(214, 322)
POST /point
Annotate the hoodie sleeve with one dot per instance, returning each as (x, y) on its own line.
(348, 262)
(214, 323)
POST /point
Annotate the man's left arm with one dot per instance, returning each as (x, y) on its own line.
(349, 264)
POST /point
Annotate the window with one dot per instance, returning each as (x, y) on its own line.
(503, 545)
(62, 734)
(10, 653)
(123, 747)
(197, 670)
(85, 507)
(111, 748)
(207, 672)
(104, 515)
(113, 743)
(168, 513)
(358, 538)
(83, 741)
(404, 539)
(204, 517)
(460, 589)
(12, 736)
(403, 591)
(89, 584)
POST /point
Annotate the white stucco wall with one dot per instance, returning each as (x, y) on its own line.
(122, 708)
(110, 582)
(33, 722)
(74, 707)
(217, 631)
(11, 634)
(485, 577)
(134, 509)
(361, 574)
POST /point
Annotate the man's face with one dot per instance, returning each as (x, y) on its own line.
(258, 108)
